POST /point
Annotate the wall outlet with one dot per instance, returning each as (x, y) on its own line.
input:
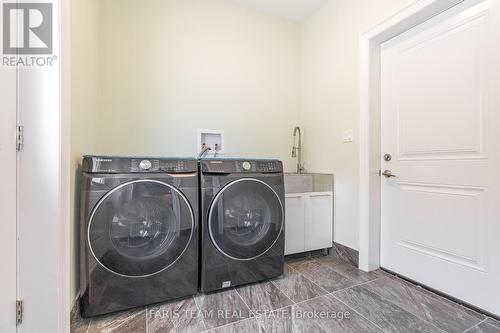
(348, 136)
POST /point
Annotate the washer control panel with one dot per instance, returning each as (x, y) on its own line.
(157, 165)
(247, 166)
(137, 165)
(145, 165)
(244, 166)
(268, 166)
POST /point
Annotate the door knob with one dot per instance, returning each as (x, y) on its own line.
(388, 174)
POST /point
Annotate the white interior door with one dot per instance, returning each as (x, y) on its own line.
(39, 174)
(30, 200)
(441, 124)
(8, 200)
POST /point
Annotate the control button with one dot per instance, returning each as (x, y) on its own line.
(246, 166)
(145, 165)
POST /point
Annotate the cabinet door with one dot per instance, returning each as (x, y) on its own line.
(319, 221)
(294, 223)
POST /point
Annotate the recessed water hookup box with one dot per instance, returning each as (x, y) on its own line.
(214, 139)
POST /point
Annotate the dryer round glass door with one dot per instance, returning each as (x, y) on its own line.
(140, 228)
(245, 219)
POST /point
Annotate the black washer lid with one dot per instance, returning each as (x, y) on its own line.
(117, 164)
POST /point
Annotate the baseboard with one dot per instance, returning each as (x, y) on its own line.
(304, 255)
(345, 253)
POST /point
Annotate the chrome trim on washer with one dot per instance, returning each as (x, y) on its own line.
(116, 189)
(212, 208)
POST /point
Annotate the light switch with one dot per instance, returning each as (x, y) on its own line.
(348, 136)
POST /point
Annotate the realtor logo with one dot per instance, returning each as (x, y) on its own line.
(27, 28)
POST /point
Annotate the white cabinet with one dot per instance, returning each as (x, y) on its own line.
(294, 227)
(318, 221)
(309, 221)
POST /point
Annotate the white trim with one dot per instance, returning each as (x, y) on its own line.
(369, 165)
(8, 198)
(65, 302)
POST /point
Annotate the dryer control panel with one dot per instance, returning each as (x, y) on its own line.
(241, 166)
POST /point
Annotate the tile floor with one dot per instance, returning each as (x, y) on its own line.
(319, 294)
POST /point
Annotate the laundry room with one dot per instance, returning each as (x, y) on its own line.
(166, 78)
(250, 166)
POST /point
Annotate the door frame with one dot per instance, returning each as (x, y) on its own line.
(369, 206)
(8, 198)
(65, 214)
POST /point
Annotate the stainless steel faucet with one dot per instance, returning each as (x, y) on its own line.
(298, 148)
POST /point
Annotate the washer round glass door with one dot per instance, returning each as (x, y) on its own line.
(245, 219)
(140, 228)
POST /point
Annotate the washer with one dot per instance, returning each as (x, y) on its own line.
(243, 219)
(139, 232)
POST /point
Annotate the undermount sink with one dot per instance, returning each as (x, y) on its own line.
(308, 182)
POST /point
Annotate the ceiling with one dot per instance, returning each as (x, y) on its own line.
(295, 10)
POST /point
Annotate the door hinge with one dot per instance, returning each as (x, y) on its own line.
(20, 138)
(19, 312)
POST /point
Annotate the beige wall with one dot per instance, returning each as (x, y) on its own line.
(330, 97)
(173, 67)
(84, 103)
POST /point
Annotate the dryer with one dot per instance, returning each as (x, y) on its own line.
(242, 222)
(139, 232)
